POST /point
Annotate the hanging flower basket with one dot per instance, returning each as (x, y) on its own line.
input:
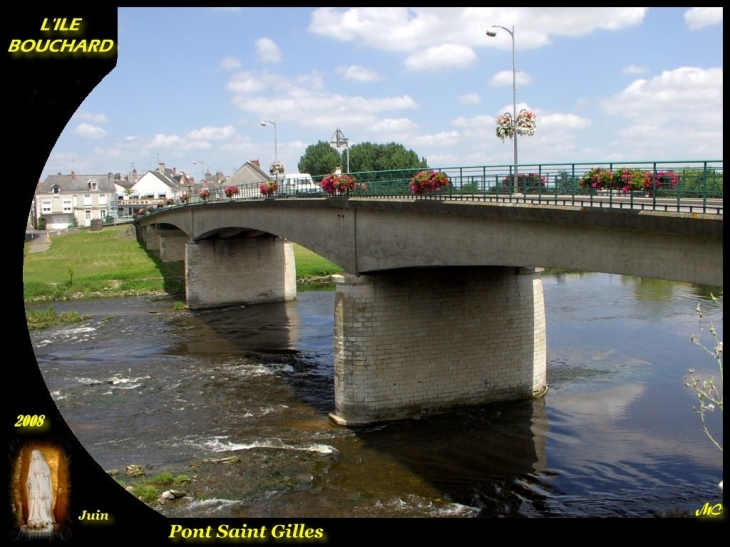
(337, 184)
(268, 188)
(230, 191)
(505, 130)
(204, 194)
(184, 198)
(425, 182)
(598, 178)
(276, 168)
(169, 201)
(526, 124)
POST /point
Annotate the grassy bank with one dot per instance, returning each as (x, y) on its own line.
(50, 317)
(112, 263)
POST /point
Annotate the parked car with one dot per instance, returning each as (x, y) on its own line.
(300, 185)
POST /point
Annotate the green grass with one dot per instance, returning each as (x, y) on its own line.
(97, 264)
(311, 266)
(111, 263)
(162, 479)
(145, 492)
(49, 318)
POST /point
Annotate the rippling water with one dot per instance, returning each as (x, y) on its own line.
(615, 436)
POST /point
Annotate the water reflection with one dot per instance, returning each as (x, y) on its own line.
(144, 383)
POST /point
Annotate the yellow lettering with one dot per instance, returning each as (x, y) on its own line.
(67, 45)
(75, 24)
(44, 25)
(81, 46)
(14, 46)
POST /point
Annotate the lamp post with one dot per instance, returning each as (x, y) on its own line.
(492, 34)
(276, 145)
(202, 165)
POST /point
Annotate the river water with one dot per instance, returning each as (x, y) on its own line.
(181, 391)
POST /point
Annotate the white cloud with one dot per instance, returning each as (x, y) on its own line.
(562, 122)
(445, 138)
(679, 110)
(390, 125)
(230, 63)
(88, 131)
(441, 57)
(634, 69)
(212, 133)
(504, 78)
(697, 18)
(474, 122)
(359, 73)
(90, 117)
(415, 29)
(268, 51)
(683, 93)
(469, 98)
(302, 99)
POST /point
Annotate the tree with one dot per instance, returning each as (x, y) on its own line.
(319, 159)
(367, 156)
(709, 393)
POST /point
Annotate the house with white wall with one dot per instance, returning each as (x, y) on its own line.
(62, 201)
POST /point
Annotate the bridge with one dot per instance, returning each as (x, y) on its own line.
(414, 266)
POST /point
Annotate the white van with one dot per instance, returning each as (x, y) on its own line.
(300, 185)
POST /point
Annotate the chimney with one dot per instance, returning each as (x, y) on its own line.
(256, 163)
(162, 167)
(134, 175)
(174, 170)
(73, 175)
(218, 175)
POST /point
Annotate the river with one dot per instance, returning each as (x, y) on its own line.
(180, 391)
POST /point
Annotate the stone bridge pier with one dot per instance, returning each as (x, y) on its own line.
(418, 341)
(239, 270)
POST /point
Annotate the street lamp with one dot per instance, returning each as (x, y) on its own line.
(195, 162)
(276, 146)
(492, 34)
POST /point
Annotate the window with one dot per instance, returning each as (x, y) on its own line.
(87, 199)
(46, 206)
(56, 190)
(102, 199)
(87, 213)
(93, 185)
(102, 213)
(67, 206)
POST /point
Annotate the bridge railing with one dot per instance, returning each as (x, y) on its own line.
(693, 186)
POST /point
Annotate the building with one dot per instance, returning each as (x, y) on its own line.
(63, 201)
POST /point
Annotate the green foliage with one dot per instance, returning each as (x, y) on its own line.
(319, 159)
(367, 156)
(50, 318)
(709, 393)
(145, 492)
(162, 479)
(182, 480)
(695, 182)
(179, 305)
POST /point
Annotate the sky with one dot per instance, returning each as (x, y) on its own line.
(192, 86)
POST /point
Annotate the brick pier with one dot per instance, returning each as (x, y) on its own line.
(422, 341)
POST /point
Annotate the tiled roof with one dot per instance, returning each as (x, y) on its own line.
(76, 183)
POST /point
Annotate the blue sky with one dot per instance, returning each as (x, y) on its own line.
(194, 84)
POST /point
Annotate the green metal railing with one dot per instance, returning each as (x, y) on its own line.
(686, 186)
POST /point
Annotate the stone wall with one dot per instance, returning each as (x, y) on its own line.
(419, 341)
(223, 272)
